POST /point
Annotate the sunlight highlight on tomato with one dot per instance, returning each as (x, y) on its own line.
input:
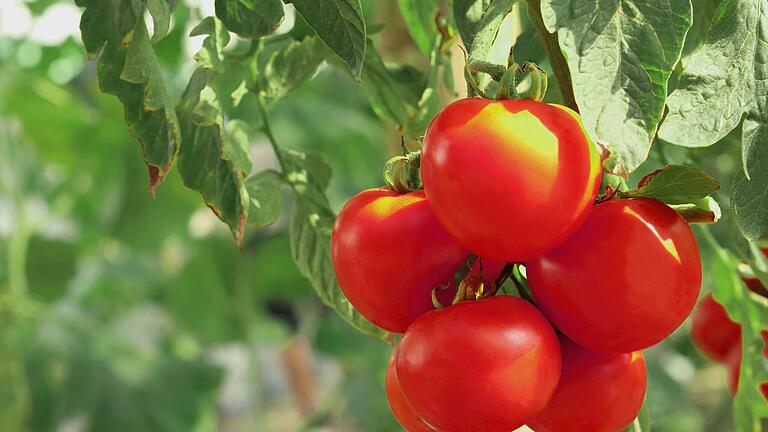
(509, 179)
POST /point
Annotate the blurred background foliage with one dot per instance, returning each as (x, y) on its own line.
(124, 312)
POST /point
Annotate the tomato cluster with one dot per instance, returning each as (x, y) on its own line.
(515, 181)
(719, 338)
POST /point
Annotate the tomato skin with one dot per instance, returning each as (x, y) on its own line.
(487, 365)
(626, 279)
(712, 331)
(389, 252)
(400, 406)
(495, 172)
(598, 392)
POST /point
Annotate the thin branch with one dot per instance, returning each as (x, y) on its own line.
(556, 58)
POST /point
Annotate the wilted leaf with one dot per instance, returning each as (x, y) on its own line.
(127, 68)
(214, 160)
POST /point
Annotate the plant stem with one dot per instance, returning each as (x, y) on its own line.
(267, 129)
(556, 58)
(17, 258)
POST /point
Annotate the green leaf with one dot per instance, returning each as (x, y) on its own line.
(211, 55)
(711, 101)
(340, 25)
(266, 197)
(310, 233)
(675, 184)
(161, 18)
(752, 314)
(290, 66)
(127, 68)
(250, 18)
(419, 17)
(214, 159)
(393, 90)
(468, 14)
(749, 197)
(620, 55)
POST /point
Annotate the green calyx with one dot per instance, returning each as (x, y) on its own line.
(507, 79)
(401, 173)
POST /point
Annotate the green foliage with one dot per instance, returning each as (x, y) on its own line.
(211, 161)
(749, 311)
(420, 17)
(393, 90)
(709, 102)
(468, 15)
(676, 184)
(94, 251)
(310, 230)
(290, 66)
(266, 197)
(250, 18)
(340, 25)
(115, 31)
(629, 48)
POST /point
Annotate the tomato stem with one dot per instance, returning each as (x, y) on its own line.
(555, 54)
(508, 83)
(538, 87)
(401, 173)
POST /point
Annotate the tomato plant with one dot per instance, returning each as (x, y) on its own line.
(597, 392)
(593, 290)
(485, 365)
(181, 208)
(513, 167)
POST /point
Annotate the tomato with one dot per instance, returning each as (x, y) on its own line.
(733, 363)
(400, 406)
(389, 252)
(712, 331)
(598, 392)
(626, 279)
(509, 179)
(487, 365)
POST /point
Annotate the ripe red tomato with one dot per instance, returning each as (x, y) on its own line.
(389, 252)
(487, 365)
(733, 363)
(509, 179)
(626, 279)
(598, 392)
(400, 406)
(712, 331)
